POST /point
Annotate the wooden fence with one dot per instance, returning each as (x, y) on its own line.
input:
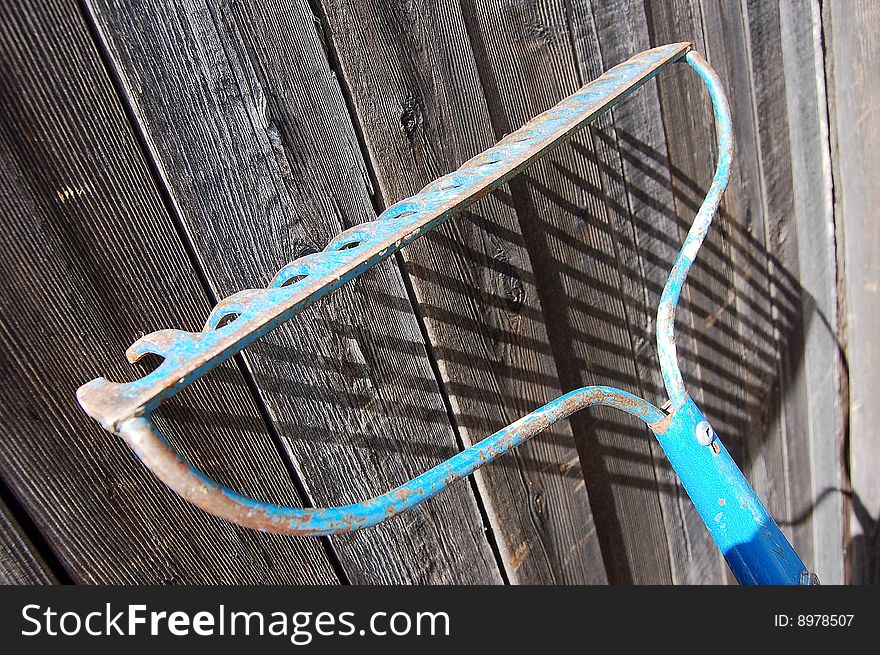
(161, 154)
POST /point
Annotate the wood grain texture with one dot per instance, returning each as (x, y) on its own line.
(744, 301)
(527, 62)
(638, 183)
(788, 458)
(20, 563)
(251, 133)
(91, 259)
(765, 335)
(734, 341)
(792, 146)
(853, 58)
(417, 95)
(801, 35)
(783, 148)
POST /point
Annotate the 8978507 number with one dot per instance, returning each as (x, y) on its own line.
(825, 620)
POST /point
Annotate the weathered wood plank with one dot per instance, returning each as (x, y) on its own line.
(803, 69)
(90, 259)
(638, 188)
(853, 59)
(800, 242)
(765, 295)
(252, 136)
(20, 563)
(739, 338)
(768, 156)
(417, 96)
(527, 63)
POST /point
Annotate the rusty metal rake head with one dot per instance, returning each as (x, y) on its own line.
(749, 538)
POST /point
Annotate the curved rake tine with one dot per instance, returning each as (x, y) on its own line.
(750, 540)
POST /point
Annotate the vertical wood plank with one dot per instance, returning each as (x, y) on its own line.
(91, 258)
(736, 289)
(417, 95)
(250, 131)
(779, 240)
(804, 73)
(639, 192)
(20, 563)
(790, 111)
(853, 52)
(526, 64)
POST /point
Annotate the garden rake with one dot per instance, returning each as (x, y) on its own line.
(750, 540)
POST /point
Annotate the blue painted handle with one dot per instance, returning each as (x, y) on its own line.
(748, 537)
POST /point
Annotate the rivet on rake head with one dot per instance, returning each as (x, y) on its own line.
(704, 433)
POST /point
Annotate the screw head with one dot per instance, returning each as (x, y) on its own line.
(704, 433)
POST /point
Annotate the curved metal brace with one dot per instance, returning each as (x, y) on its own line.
(141, 434)
(696, 235)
